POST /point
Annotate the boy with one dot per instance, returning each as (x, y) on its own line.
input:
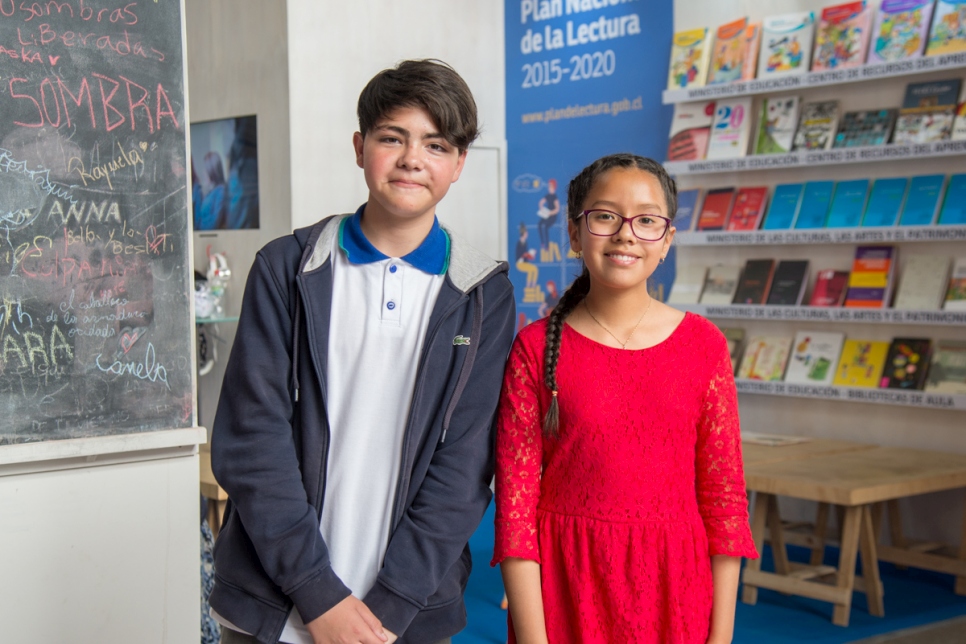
(355, 425)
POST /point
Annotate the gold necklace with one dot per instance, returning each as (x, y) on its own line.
(624, 343)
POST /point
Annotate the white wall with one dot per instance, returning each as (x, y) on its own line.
(336, 47)
(237, 66)
(936, 516)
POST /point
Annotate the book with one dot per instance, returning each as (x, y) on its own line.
(786, 44)
(830, 288)
(906, 364)
(928, 111)
(923, 282)
(690, 131)
(900, 30)
(716, 208)
(842, 36)
(731, 129)
(953, 210)
(688, 283)
(785, 203)
(956, 291)
(885, 202)
(765, 358)
(848, 203)
(788, 284)
(719, 287)
(948, 32)
(947, 369)
(776, 125)
(922, 201)
(817, 126)
(959, 123)
(865, 128)
(861, 363)
(816, 198)
(687, 207)
(734, 56)
(755, 282)
(690, 53)
(814, 357)
(748, 209)
(872, 277)
(736, 344)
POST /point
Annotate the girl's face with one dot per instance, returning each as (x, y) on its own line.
(622, 261)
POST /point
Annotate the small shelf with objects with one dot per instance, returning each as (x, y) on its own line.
(823, 205)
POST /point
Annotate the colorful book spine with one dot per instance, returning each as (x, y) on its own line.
(687, 207)
(729, 53)
(731, 129)
(786, 44)
(956, 292)
(749, 207)
(776, 125)
(861, 363)
(830, 288)
(816, 129)
(848, 204)
(870, 283)
(842, 36)
(690, 53)
(816, 198)
(906, 364)
(785, 203)
(900, 31)
(954, 204)
(716, 208)
(690, 131)
(948, 33)
(922, 202)
(885, 202)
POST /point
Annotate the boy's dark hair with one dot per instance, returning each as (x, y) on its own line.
(429, 84)
(577, 192)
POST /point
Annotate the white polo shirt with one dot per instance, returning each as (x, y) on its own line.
(380, 312)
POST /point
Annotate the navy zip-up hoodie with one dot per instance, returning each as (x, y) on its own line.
(271, 434)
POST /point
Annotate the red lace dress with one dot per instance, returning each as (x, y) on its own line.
(644, 484)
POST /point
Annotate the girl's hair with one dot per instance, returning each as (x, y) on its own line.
(577, 193)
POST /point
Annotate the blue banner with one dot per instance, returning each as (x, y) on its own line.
(584, 79)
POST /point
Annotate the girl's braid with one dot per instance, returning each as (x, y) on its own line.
(574, 296)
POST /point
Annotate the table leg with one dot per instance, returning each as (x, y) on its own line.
(870, 563)
(847, 556)
(777, 537)
(759, 515)
(821, 526)
(895, 527)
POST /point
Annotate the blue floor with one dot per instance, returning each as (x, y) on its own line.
(912, 598)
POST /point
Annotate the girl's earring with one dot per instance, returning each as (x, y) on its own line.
(662, 261)
(579, 254)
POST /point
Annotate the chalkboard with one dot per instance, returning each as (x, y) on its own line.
(95, 323)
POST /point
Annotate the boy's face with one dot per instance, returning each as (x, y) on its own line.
(408, 164)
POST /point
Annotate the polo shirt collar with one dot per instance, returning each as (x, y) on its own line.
(432, 256)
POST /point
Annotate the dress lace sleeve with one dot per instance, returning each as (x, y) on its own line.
(519, 457)
(720, 478)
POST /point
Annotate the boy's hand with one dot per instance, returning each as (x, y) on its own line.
(348, 622)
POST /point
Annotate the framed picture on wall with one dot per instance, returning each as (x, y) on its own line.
(224, 174)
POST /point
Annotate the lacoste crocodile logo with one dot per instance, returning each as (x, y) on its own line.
(461, 341)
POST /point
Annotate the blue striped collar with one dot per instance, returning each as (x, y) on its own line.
(432, 256)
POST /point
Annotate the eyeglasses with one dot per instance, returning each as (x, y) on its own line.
(605, 223)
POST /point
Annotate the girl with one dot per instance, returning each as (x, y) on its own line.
(621, 512)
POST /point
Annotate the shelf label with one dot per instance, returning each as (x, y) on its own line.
(870, 395)
(824, 236)
(829, 314)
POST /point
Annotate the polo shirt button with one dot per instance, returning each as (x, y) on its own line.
(392, 269)
(391, 305)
